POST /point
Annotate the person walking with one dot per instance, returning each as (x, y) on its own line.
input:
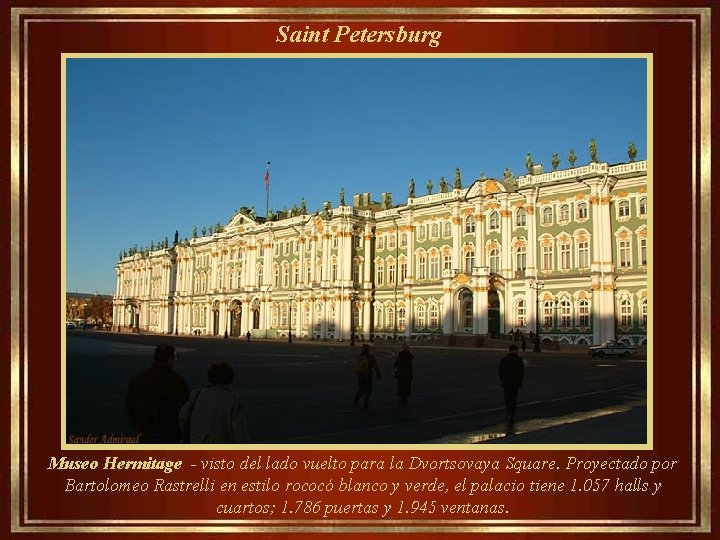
(154, 398)
(511, 372)
(404, 373)
(214, 414)
(364, 367)
(524, 342)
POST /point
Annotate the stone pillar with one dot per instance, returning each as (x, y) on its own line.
(506, 239)
(480, 300)
(447, 311)
(366, 317)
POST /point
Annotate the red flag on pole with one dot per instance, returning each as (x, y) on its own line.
(267, 176)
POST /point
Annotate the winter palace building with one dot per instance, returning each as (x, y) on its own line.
(569, 247)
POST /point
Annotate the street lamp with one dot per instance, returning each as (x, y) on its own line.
(537, 287)
(353, 297)
(291, 296)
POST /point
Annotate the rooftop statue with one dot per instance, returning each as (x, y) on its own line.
(429, 186)
(572, 157)
(458, 179)
(411, 188)
(529, 163)
(593, 151)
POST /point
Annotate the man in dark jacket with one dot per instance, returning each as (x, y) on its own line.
(154, 398)
(511, 372)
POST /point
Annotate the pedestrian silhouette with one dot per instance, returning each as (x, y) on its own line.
(364, 367)
(214, 414)
(511, 371)
(247, 336)
(404, 373)
(154, 398)
(524, 342)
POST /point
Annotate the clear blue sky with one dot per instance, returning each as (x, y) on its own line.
(155, 145)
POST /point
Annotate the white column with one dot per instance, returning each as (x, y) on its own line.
(506, 239)
(480, 255)
(480, 300)
(447, 312)
(366, 307)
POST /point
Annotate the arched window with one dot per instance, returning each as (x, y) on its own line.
(548, 308)
(391, 241)
(380, 273)
(469, 261)
(494, 221)
(403, 240)
(581, 210)
(583, 313)
(642, 206)
(378, 317)
(565, 313)
(547, 215)
(643, 312)
(625, 312)
(469, 224)
(401, 318)
(391, 269)
(421, 266)
(521, 217)
(390, 317)
(434, 316)
(494, 260)
(565, 212)
(520, 258)
(520, 313)
(420, 316)
(434, 231)
(624, 208)
(447, 229)
(434, 265)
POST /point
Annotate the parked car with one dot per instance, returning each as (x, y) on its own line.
(612, 348)
(70, 325)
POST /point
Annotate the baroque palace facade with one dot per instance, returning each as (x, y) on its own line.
(569, 247)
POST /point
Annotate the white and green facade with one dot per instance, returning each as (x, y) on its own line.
(566, 250)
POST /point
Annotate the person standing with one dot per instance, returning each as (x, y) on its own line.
(154, 398)
(365, 366)
(511, 372)
(214, 414)
(404, 373)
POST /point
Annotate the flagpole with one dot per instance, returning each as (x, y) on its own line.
(267, 192)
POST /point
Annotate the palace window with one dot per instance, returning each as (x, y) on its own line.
(643, 312)
(643, 251)
(565, 212)
(420, 316)
(583, 313)
(401, 318)
(624, 253)
(380, 243)
(403, 271)
(379, 317)
(403, 240)
(276, 272)
(547, 215)
(642, 206)
(296, 275)
(520, 314)
(548, 309)
(583, 254)
(547, 258)
(564, 256)
(625, 312)
(308, 272)
(520, 258)
(390, 317)
(422, 261)
(447, 229)
(469, 224)
(391, 273)
(259, 274)
(335, 241)
(334, 270)
(391, 241)
(494, 259)
(565, 313)
(447, 261)
(380, 274)
(582, 210)
(624, 208)
(469, 261)
(435, 266)
(434, 316)
(420, 231)
(521, 217)
(434, 231)
(286, 276)
(356, 271)
(494, 221)
(357, 241)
